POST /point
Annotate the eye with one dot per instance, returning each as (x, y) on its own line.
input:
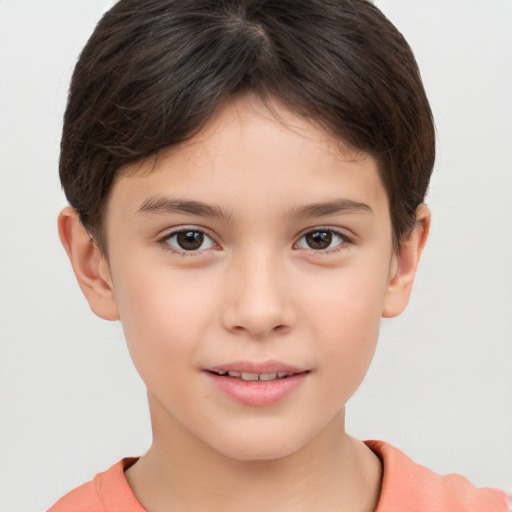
(188, 240)
(321, 240)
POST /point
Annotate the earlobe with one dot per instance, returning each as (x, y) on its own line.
(89, 265)
(407, 259)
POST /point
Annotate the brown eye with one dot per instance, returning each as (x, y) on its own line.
(189, 241)
(321, 240)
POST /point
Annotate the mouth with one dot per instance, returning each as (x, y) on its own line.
(256, 384)
(251, 377)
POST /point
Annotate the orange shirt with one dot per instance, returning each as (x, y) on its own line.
(406, 487)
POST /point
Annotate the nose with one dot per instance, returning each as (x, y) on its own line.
(258, 303)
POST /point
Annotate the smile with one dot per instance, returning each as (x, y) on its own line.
(254, 384)
(247, 376)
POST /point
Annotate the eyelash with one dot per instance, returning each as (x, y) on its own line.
(344, 240)
(164, 241)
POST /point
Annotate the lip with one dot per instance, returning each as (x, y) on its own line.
(256, 393)
(255, 367)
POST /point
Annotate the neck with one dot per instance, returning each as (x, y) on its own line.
(333, 472)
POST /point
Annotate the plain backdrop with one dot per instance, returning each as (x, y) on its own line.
(440, 387)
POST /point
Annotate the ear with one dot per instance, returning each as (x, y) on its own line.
(90, 266)
(406, 263)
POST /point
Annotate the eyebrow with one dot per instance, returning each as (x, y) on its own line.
(162, 205)
(335, 207)
(158, 204)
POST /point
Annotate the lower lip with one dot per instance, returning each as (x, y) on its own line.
(257, 393)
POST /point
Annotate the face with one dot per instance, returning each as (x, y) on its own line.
(250, 268)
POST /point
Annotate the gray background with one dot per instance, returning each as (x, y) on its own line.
(440, 387)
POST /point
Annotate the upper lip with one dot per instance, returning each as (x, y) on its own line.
(266, 367)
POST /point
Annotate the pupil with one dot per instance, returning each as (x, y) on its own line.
(319, 239)
(190, 240)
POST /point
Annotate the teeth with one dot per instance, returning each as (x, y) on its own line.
(254, 376)
(268, 376)
(249, 376)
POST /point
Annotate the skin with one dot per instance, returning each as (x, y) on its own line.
(254, 291)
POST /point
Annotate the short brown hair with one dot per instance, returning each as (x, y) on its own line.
(155, 71)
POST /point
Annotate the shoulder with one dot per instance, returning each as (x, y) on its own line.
(83, 498)
(415, 488)
(106, 492)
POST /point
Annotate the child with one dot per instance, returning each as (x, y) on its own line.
(246, 181)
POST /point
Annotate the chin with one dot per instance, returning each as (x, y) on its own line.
(260, 444)
(259, 453)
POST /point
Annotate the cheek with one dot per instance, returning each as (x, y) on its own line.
(349, 337)
(163, 315)
(345, 312)
(347, 300)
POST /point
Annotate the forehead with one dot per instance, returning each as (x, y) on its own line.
(252, 156)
